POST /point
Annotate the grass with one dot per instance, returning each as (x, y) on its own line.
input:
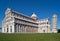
(30, 37)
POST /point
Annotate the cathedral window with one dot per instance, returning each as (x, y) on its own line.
(7, 26)
(47, 22)
(43, 30)
(7, 30)
(4, 29)
(10, 28)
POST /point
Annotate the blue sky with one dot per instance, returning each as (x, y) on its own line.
(42, 8)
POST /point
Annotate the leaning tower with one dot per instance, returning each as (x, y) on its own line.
(54, 23)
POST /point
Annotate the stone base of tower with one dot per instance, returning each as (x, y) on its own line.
(54, 31)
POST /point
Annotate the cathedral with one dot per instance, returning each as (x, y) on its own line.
(15, 22)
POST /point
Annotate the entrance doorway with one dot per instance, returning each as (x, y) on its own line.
(43, 30)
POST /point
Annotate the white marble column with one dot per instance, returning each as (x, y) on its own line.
(17, 28)
(9, 29)
(25, 28)
(21, 28)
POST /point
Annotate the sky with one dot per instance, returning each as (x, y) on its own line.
(42, 8)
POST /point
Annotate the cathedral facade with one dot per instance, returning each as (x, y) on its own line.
(15, 22)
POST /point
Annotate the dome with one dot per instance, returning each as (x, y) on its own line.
(33, 15)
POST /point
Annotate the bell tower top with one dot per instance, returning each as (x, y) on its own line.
(54, 15)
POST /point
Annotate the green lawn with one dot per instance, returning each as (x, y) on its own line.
(30, 37)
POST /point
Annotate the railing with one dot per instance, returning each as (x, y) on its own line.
(25, 19)
(26, 23)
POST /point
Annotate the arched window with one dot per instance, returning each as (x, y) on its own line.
(7, 30)
(10, 28)
(43, 30)
(4, 29)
